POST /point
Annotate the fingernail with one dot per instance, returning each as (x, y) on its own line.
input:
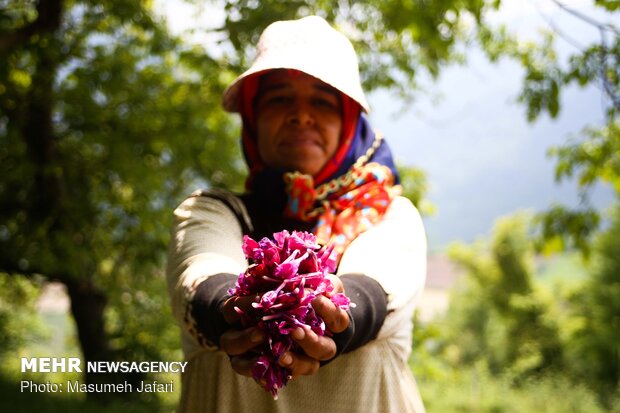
(286, 359)
(256, 336)
(299, 333)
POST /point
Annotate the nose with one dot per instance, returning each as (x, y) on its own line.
(300, 114)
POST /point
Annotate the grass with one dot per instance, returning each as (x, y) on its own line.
(471, 389)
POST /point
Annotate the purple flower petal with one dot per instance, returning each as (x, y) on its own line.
(341, 301)
(288, 272)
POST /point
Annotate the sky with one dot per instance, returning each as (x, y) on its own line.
(482, 158)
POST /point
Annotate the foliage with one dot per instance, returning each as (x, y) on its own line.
(498, 317)
(397, 41)
(505, 325)
(12, 400)
(590, 337)
(594, 342)
(18, 319)
(591, 342)
(415, 187)
(106, 122)
(561, 228)
(474, 389)
(596, 159)
(139, 319)
(595, 155)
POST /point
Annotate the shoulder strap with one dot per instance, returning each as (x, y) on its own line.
(233, 203)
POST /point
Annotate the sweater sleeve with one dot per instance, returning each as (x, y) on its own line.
(366, 317)
(392, 253)
(206, 241)
(204, 309)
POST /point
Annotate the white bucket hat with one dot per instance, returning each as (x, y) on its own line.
(309, 45)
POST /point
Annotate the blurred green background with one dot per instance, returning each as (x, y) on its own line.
(108, 119)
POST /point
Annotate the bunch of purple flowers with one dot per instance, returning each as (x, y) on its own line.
(287, 273)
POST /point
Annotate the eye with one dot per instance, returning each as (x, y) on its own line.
(329, 103)
(275, 100)
(279, 99)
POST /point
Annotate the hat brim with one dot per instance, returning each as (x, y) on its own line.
(231, 96)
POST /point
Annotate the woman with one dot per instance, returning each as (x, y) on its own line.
(316, 165)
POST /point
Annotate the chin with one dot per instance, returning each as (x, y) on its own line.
(304, 165)
(304, 169)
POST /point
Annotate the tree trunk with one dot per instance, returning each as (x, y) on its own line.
(88, 303)
(49, 201)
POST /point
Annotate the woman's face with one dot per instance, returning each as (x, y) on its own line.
(299, 121)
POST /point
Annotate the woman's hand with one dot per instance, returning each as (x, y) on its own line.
(336, 320)
(238, 343)
(317, 348)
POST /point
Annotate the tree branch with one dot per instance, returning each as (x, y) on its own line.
(589, 20)
(603, 28)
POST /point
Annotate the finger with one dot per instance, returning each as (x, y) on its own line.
(243, 365)
(299, 364)
(229, 308)
(338, 287)
(336, 320)
(315, 346)
(235, 342)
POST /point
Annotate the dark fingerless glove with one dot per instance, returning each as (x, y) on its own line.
(366, 318)
(205, 306)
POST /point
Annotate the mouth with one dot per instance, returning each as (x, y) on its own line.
(301, 139)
